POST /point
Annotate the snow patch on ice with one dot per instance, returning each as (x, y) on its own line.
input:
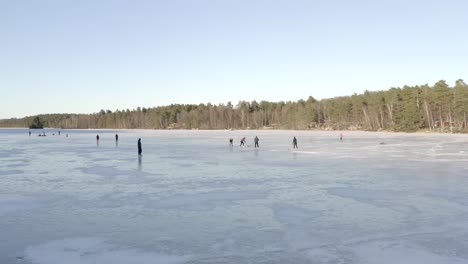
(92, 251)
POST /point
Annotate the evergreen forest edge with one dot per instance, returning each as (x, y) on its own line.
(439, 107)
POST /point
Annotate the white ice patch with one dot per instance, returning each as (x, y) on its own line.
(93, 251)
(11, 202)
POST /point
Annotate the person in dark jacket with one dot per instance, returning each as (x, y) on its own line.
(231, 141)
(139, 147)
(295, 143)
(116, 137)
(242, 142)
(256, 142)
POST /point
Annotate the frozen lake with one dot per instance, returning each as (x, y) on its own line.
(193, 199)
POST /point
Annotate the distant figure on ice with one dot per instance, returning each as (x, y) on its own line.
(256, 142)
(295, 143)
(116, 137)
(230, 142)
(29, 133)
(43, 133)
(59, 133)
(139, 147)
(97, 139)
(341, 136)
(242, 142)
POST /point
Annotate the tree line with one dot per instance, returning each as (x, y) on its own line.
(439, 107)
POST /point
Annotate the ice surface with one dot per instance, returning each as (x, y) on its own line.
(192, 199)
(12, 202)
(92, 250)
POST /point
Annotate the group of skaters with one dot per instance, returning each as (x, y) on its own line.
(116, 138)
(243, 141)
(140, 149)
(43, 134)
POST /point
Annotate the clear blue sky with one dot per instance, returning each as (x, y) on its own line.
(83, 56)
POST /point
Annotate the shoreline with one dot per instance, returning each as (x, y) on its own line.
(421, 131)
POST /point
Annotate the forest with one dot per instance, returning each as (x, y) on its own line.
(439, 107)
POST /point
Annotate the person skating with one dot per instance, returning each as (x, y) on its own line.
(341, 136)
(231, 141)
(295, 143)
(97, 138)
(242, 142)
(116, 137)
(139, 147)
(256, 142)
